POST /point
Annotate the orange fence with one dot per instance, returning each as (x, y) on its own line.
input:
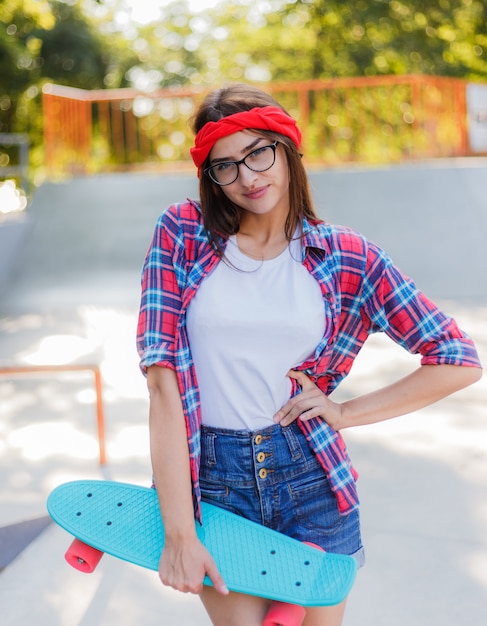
(365, 119)
(49, 369)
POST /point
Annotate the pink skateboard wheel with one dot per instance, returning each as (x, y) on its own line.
(83, 557)
(283, 614)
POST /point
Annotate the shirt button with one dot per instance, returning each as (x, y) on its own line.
(263, 473)
(261, 457)
(258, 439)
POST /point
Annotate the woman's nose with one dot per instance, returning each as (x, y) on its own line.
(246, 175)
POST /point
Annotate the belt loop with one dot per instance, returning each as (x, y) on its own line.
(209, 443)
(292, 442)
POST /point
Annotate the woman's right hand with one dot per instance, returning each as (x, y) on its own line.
(184, 565)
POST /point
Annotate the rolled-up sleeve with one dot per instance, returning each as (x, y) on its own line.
(394, 305)
(160, 304)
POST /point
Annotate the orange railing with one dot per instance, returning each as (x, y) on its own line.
(365, 119)
(34, 370)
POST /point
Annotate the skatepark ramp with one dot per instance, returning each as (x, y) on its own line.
(92, 233)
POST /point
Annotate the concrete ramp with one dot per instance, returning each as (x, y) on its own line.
(431, 218)
(88, 237)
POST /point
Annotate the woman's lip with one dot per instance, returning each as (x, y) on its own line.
(256, 193)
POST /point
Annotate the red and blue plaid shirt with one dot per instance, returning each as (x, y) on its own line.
(363, 293)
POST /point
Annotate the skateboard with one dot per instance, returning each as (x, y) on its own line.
(124, 521)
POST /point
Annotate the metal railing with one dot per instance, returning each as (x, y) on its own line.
(363, 119)
(32, 370)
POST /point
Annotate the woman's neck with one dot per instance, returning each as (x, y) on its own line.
(261, 239)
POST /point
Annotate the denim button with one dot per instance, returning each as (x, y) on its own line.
(263, 473)
(258, 439)
(261, 457)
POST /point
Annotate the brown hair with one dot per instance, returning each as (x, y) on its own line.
(221, 217)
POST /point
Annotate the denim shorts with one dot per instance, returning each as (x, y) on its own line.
(272, 477)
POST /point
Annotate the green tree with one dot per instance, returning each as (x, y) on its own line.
(307, 39)
(52, 41)
(72, 51)
(20, 63)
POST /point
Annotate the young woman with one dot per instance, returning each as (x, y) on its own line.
(252, 312)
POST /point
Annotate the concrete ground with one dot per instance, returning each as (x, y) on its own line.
(73, 297)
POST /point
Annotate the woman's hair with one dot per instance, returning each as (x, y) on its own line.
(221, 216)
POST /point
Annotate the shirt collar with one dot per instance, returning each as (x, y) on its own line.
(313, 234)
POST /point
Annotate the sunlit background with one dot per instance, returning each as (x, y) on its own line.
(146, 11)
(12, 198)
(108, 334)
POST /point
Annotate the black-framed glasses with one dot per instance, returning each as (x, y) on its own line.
(259, 160)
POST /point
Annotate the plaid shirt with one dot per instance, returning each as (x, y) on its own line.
(363, 293)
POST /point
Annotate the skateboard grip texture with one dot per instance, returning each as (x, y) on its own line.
(124, 521)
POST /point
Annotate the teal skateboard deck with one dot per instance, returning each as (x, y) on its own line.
(124, 521)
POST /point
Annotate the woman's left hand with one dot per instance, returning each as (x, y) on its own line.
(311, 402)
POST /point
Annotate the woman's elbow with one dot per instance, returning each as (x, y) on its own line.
(476, 374)
(468, 375)
(160, 380)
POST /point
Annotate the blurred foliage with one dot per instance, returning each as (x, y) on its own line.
(52, 41)
(72, 51)
(279, 40)
(442, 37)
(19, 56)
(98, 44)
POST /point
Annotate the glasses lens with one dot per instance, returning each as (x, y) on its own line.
(261, 159)
(224, 173)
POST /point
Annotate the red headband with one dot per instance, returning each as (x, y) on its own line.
(261, 118)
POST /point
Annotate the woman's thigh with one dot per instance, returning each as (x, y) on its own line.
(325, 615)
(238, 609)
(235, 609)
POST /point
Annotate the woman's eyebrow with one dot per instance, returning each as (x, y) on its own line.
(243, 151)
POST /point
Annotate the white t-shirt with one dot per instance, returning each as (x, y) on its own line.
(248, 324)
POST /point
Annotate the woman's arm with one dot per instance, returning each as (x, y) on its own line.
(184, 560)
(426, 385)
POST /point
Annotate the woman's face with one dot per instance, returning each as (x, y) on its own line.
(260, 193)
